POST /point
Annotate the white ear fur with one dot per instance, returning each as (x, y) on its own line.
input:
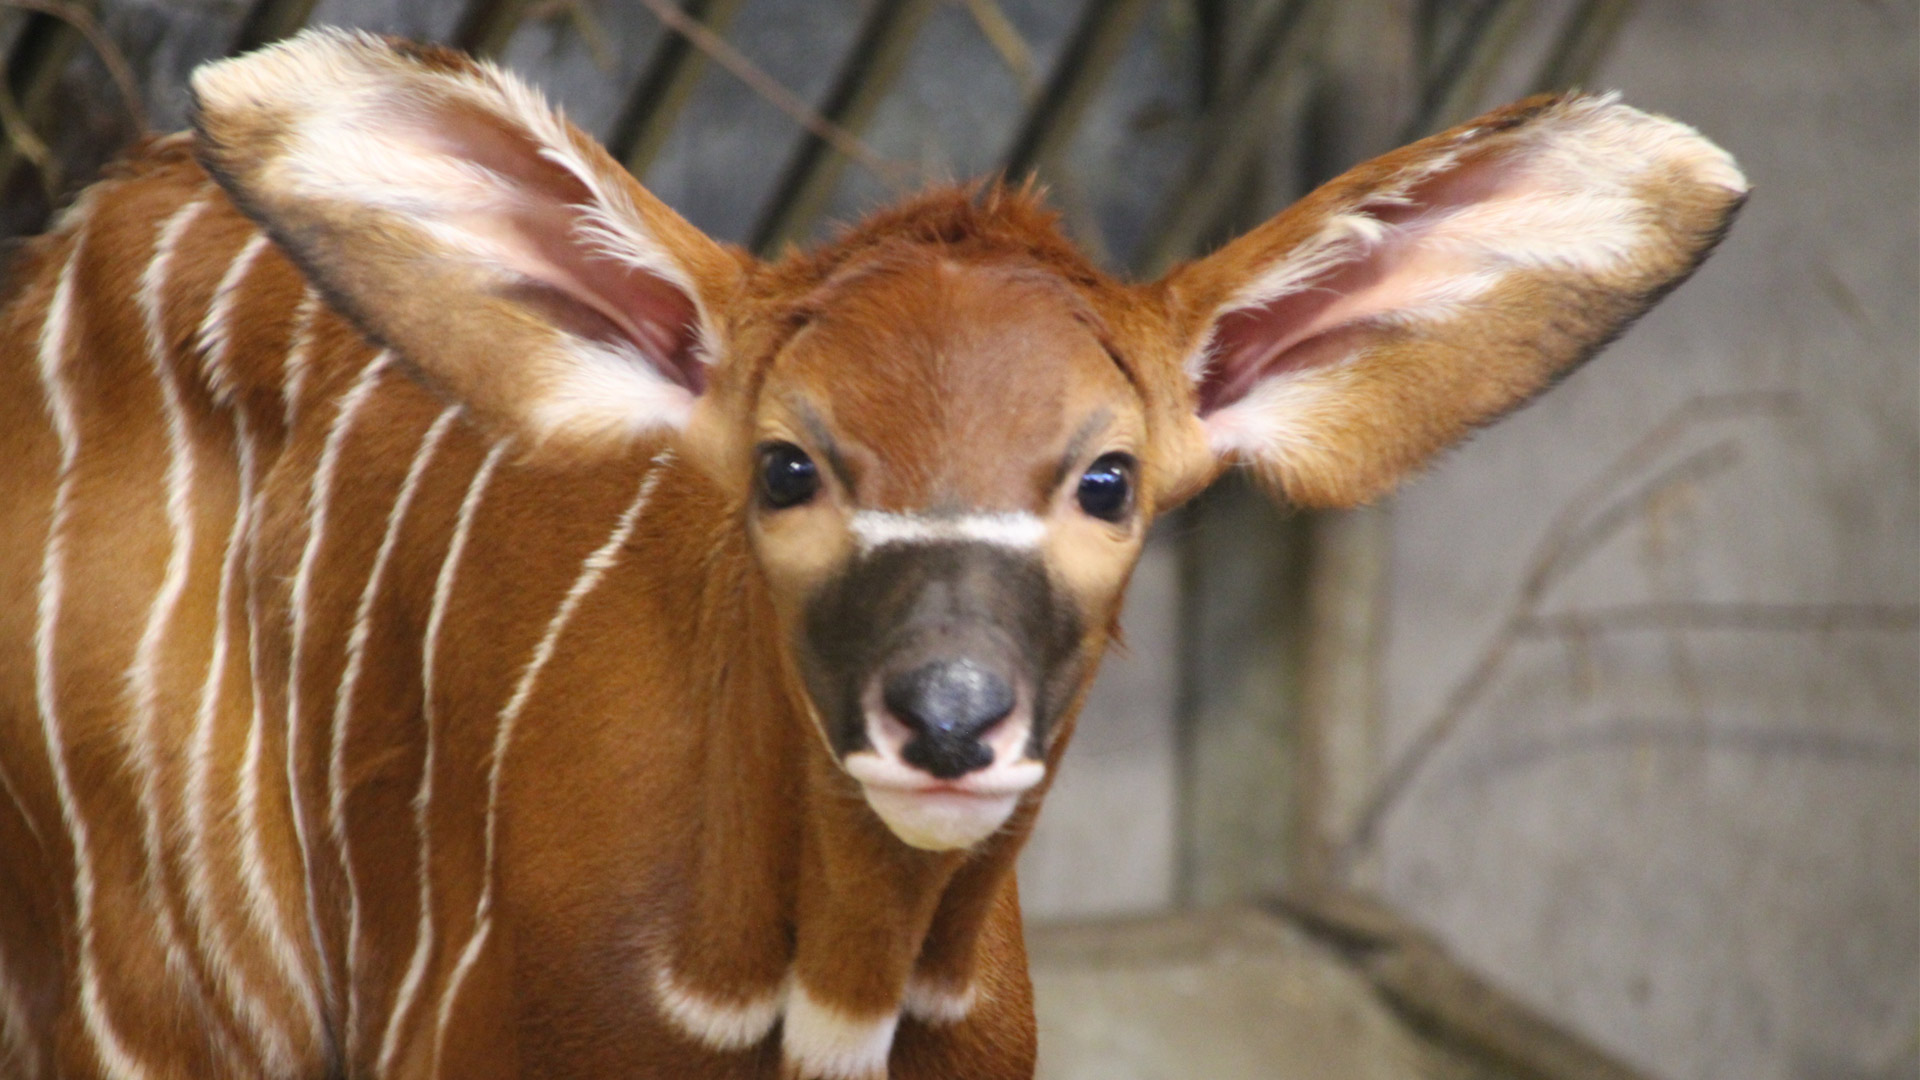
(1474, 241)
(384, 167)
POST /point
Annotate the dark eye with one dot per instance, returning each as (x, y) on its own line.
(788, 476)
(1106, 488)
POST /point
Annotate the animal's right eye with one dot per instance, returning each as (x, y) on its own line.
(788, 477)
(1106, 488)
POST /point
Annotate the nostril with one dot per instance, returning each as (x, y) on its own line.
(948, 705)
(952, 698)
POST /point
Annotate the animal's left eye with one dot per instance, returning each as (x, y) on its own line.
(1106, 488)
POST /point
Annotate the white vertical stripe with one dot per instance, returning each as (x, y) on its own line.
(350, 679)
(319, 501)
(272, 1041)
(262, 903)
(481, 932)
(115, 1059)
(52, 357)
(442, 594)
(299, 353)
(143, 675)
(595, 568)
(216, 333)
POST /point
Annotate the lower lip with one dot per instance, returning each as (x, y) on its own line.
(941, 817)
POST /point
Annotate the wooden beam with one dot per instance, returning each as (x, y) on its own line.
(1460, 77)
(663, 91)
(868, 73)
(487, 26)
(42, 52)
(1337, 748)
(1447, 1000)
(1583, 45)
(1234, 132)
(270, 20)
(1104, 29)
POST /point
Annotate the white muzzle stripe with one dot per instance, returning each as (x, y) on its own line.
(1016, 529)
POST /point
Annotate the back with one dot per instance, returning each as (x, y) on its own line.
(132, 433)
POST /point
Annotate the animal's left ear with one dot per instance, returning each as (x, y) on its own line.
(1380, 319)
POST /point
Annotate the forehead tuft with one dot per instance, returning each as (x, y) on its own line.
(961, 381)
(974, 223)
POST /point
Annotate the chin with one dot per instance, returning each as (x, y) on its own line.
(942, 815)
(940, 820)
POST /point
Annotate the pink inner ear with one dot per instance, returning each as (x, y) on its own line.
(1315, 322)
(539, 231)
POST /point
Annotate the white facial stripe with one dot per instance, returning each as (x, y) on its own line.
(821, 1042)
(878, 528)
(715, 1024)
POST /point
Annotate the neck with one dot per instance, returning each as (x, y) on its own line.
(798, 902)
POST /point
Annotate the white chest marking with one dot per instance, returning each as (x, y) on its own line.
(720, 1025)
(821, 1042)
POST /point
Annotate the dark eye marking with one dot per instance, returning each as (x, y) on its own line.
(1077, 446)
(823, 438)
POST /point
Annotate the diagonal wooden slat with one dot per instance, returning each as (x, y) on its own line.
(663, 91)
(1234, 132)
(1103, 31)
(269, 21)
(864, 80)
(41, 53)
(487, 25)
(1460, 77)
(1584, 43)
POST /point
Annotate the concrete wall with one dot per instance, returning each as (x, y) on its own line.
(1701, 846)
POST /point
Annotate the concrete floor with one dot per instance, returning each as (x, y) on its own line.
(1233, 994)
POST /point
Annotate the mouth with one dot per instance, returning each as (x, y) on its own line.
(934, 813)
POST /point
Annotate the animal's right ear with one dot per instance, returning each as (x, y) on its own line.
(460, 221)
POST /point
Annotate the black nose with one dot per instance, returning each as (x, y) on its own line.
(949, 704)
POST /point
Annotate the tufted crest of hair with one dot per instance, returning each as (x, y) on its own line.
(984, 222)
